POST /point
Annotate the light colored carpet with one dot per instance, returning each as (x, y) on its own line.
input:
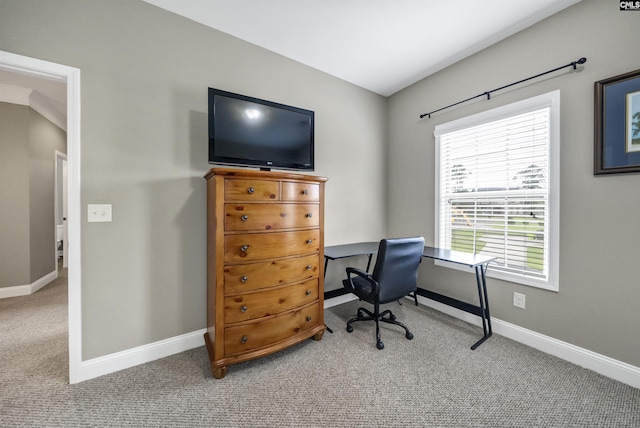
(434, 380)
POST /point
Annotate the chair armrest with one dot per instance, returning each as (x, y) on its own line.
(366, 276)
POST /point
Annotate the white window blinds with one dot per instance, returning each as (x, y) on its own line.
(494, 187)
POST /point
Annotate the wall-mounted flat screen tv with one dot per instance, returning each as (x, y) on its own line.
(247, 131)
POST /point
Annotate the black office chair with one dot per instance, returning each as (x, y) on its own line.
(394, 276)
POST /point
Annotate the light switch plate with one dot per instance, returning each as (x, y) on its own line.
(98, 213)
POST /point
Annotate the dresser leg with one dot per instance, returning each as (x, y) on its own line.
(318, 336)
(219, 372)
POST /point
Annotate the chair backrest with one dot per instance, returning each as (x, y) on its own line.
(396, 269)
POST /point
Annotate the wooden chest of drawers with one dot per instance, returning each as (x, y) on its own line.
(265, 253)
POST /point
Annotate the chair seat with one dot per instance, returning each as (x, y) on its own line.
(361, 288)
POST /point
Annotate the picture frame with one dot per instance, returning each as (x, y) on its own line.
(617, 124)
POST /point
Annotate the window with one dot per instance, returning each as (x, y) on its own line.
(497, 188)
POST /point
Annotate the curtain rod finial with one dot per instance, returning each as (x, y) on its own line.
(580, 61)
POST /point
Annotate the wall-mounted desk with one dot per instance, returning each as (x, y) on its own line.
(480, 264)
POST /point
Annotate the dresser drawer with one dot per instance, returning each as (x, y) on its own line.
(243, 307)
(262, 333)
(250, 190)
(270, 216)
(238, 278)
(300, 191)
(260, 246)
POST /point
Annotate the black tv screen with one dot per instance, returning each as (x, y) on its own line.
(248, 131)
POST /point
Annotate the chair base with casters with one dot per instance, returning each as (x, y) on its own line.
(394, 277)
(386, 316)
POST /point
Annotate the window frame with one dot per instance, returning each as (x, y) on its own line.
(552, 101)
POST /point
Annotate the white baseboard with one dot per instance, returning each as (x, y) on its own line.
(139, 355)
(25, 290)
(606, 366)
(335, 301)
(143, 354)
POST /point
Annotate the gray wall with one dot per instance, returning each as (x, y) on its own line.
(27, 222)
(144, 77)
(14, 195)
(44, 139)
(597, 305)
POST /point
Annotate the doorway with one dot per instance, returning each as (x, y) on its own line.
(71, 76)
(62, 231)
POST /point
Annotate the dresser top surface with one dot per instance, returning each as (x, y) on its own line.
(254, 173)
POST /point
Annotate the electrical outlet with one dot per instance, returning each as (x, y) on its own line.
(518, 300)
(99, 212)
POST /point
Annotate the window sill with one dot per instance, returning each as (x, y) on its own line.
(503, 276)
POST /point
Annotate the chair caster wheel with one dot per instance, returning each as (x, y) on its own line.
(349, 329)
(409, 335)
(380, 345)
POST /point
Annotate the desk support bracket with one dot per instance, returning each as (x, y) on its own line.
(482, 310)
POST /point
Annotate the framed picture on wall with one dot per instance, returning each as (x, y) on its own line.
(617, 124)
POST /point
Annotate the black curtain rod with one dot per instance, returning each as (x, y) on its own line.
(573, 64)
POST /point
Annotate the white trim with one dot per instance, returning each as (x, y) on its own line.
(14, 94)
(552, 101)
(335, 301)
(139, 355)
(25, 290)
(57, 196)
(145, 353)
(502, 112)
(70, 75)
(533, 282)
(606, 366)
(35, 100)
(41, 104)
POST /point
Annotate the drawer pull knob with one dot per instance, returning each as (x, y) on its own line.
(309, 215)
(244, 248)
(309, 241)
(244, 217)
(309, 267)
(308, 319)
(244, 279)
(243, 308)
(305, 192)
(244, 339)
(308, 292)
(251, 190)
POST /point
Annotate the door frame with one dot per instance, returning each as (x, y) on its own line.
(71, 76)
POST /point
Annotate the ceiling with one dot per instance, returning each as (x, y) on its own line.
(54, 90)
(380, 45)
(47, 96)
